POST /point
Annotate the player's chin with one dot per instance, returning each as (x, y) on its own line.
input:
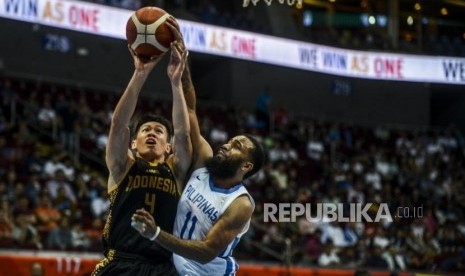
(151, 146)
(152, 150)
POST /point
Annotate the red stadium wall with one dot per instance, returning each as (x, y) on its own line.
(53, 266)
(59, 265)
(261, 270)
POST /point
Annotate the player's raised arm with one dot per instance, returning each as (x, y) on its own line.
(182, 146)
(117, 152)
(201, 149)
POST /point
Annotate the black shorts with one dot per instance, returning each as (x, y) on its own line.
(116, 263)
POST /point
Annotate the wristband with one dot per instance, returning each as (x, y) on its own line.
(157, 232)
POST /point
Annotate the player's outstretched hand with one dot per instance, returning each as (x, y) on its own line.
(144, 64)
(144, 223)
(174, 27)
(177, 62)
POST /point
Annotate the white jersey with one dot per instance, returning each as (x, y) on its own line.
(200, 206)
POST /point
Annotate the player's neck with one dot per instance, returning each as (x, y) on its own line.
(226, 183)
(151, 158)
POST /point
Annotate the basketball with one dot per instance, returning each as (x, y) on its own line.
(147, 33)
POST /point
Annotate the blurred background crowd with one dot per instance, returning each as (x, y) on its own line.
(53, 180)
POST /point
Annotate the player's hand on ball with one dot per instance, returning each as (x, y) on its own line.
(174, 27)
(144, 223)
(143, 64)
(177, 62)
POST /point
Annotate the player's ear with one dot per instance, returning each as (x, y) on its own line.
(168, 148)
(133, 144)
(247, 166)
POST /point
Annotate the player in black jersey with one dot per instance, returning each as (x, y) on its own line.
(147, 176)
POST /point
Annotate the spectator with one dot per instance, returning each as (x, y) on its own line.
(67, 119)
(95, 186)
(25, 235)
(11, 179)
(60, 237)
(351, 235)
(314, 247)
(380, 239)
(33, 163)
(54, 164)
(47, 116)
(63, 203)
(79, 239)
(315, 148)
(100, 205)
(273, 237)
(329, 256)
(335, 233)
(32, 189)
(394, 260)
(82, 191)
(218, 135)
(289, 153)
(102, 139)
(373, 178)
(59, 181)
(23, 207)
(279, 176)
(6, 230)
(68, 168)
(94, 232)
(47, 216)
(276, 153)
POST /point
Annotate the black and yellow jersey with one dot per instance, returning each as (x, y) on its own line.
(151, 186)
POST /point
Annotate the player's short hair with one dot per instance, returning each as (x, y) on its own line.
(153, 118)
(257, 156)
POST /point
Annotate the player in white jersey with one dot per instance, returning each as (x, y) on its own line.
(215, 208)
(200, 206)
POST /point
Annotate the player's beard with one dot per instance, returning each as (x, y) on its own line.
(222, 169)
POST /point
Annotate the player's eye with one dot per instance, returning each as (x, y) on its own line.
(237, 145)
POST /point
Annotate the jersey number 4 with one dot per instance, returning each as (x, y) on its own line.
(150, 201)
(193, 220)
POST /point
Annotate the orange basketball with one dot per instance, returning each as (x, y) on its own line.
(147, 33)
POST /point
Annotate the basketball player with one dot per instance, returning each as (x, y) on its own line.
(215, 208)
(145, 176)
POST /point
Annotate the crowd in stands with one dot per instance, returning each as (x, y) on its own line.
(51, 197)
(367, 39)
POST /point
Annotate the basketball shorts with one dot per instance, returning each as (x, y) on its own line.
(122, 264)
